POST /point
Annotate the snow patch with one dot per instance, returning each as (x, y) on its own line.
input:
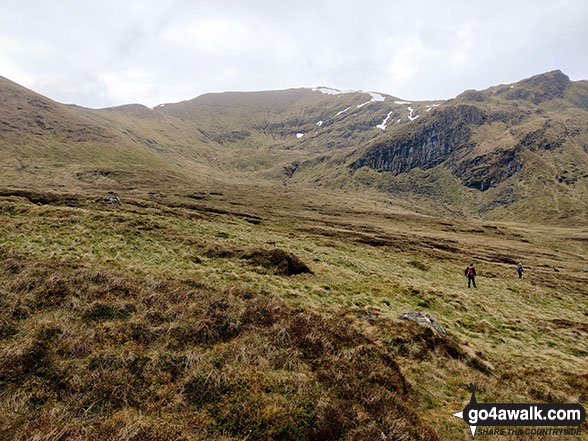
(511, 87)
(377, 96)
(299, 135)
(398, 120)
(343, 111)
(385, 122)
(320, 123)
(412, 118)
(328, 90)
(409, 108)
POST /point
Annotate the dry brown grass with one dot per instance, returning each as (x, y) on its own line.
(169, 319)
(102, 355)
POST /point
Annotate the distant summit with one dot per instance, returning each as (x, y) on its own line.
(514, 151)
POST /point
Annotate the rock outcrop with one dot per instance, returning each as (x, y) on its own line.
(424, 319)
(426, 144)
(112, 198)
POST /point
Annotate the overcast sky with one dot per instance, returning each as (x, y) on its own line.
(109, 52)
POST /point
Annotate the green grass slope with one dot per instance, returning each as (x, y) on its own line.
(190, 318)
(511, 152)
(45, 144)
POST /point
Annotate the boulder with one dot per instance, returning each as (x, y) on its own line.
(424, 319)
(112, 198)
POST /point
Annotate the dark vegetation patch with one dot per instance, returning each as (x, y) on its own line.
(166, 207)
(377, 241)
(93, 175)
(320, 231)
(197, 196)
(206, 209)
(503, 259)
(401, 242)
(277, 260)
(419, 265)
(220, 252)
(418, 342)
(442, 244)
(46, 198)
(123, 357)
(104, 311)
(569, 324)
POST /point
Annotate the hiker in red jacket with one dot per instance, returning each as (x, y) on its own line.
(470, 273)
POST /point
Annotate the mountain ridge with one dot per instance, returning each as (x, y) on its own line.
(482, 139)
(478, 153)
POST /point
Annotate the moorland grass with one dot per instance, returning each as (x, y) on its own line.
(169, 320)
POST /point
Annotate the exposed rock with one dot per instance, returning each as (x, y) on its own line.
(112, 198)
(517, 94)
(368, 315)
(435, 141)
(289, 170)
(550, 136)
(425, 145)
(504, 197)
(424, 319)
(486, 171)
(473, 95)
(549, 85)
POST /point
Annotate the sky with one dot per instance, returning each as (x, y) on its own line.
(100, 53)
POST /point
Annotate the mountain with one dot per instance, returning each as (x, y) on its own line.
(518, 151)
(511, 152)
(48, 144)
(319, 119)
(289, 265)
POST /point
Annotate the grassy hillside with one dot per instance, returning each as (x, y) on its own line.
(216, 137)
(250, 284)
(45, 144)
(511, 152)
(271, 314)
(270, 132)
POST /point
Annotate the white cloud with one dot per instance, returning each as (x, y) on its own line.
(162, 51)
(75, 88)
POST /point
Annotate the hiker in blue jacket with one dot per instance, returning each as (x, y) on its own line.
(520, 270)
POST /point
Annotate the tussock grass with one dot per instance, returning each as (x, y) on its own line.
(166, 360)
(144, 322)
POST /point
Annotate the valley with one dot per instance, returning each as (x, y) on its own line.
(250, 283)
